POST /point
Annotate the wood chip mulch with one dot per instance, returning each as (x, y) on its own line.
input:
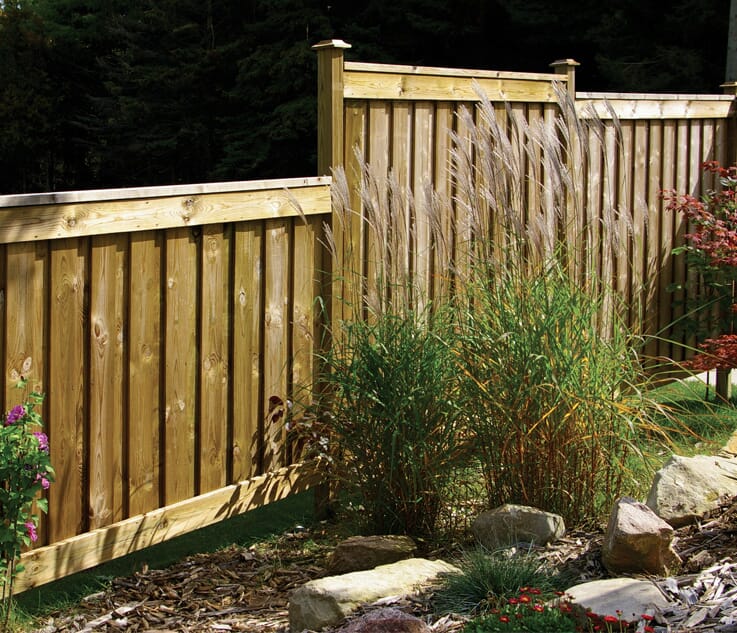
(247, 589)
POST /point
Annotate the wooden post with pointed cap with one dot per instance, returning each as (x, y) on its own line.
(567, 67)
(329, 104)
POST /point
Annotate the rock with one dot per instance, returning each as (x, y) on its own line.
(619, 597)
(510, 524)
(638, 540)
(326, 601)
(366, 552)
(387, 620)
(686, 488)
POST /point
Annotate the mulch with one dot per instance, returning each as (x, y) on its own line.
(247, 589)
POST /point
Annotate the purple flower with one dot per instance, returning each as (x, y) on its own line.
(44, 482)
(31, 529)
(43, 441)
(15, 414)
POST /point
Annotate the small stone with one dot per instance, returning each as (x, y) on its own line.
(366, 552)
(388, 620)
(638, 540)
(510, 524)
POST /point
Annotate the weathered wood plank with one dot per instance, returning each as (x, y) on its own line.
(248, 309)
(99, 546)
(67, 408)
(144, 359)
(181, 359)
(108, 303)
(396, 86)
(76, 219)
(276, 337)
(214, 385)
(655, 107)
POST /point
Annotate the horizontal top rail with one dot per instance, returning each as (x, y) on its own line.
(449, 72)
(31, 217)
(385, 81)
(654, 106)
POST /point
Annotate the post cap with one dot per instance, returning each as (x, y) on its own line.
(330, 44)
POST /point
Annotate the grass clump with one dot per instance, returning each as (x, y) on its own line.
(395, 422)
(552, 403)
(489, 579)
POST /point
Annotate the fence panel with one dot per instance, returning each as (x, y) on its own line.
(159, 324)
(621, 150)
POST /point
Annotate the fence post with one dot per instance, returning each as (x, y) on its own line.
(329, 104)
(330, 115)
(567, 67)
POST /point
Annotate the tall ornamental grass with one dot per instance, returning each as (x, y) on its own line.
(522, 356)
(552, 405)
(394, 420)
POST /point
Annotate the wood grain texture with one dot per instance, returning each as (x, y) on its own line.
(108, 302)
(181, 364)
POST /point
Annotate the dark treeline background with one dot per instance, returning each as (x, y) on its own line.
(109, 93)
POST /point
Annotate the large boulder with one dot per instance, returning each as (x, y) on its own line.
(326, 601)
(366, 552)
(638, 540)
(387, 620)
(510, 524)
(686, 488)
(627, 598)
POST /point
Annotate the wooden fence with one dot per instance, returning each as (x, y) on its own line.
(159, 323)
(409, 121)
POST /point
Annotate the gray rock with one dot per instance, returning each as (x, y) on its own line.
(619, 597)
(366, 552)
(638, 540)
(686, 488)
(510, 524)
(387, 620)
(326, 601)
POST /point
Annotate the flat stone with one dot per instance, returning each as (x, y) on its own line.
(366, 552)
(326, 601)
(510, 524)
(627, 598)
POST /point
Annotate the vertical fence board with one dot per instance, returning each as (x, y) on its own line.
(144, 372)
(108, 301)
(276, 335)
(180, 372)
(247, 349)
(214, 345)
(66, 408)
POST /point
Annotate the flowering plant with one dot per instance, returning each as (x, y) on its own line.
(25, 471)
(711, 251)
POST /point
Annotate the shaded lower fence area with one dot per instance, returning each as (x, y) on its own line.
(159, 323)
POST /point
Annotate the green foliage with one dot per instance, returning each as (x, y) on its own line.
(488, 579)
(553, 403)
(25, 471)
(395, 421)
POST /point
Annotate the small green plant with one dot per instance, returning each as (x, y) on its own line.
(25, 471)
(488, 579)
(394, 419)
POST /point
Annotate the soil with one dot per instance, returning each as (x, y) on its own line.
(247, 589)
